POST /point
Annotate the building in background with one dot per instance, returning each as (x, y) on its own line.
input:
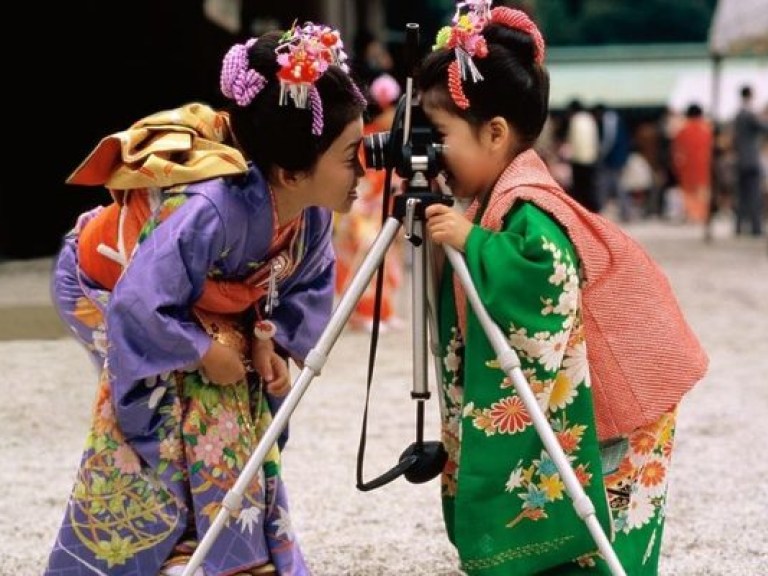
(106, 64)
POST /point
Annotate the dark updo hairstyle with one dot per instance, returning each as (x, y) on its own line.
(271, 134)
(513, 85)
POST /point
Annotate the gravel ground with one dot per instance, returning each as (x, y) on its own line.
(718, 494)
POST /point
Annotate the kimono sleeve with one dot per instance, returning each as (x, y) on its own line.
(526, 275)
(149, 323)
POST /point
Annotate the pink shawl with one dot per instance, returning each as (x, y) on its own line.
(643, 356)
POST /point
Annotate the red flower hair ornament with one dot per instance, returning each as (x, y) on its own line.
(304, 54)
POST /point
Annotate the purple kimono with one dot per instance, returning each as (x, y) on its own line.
(165, 445)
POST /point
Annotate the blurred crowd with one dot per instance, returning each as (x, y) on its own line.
(680, 166)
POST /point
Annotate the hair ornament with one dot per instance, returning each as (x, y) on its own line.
(385, 90)
(519, 20)
(316, 104)
(465, 38)
(304, 54)
(238, 82)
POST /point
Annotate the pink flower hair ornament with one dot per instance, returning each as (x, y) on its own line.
(465, 39)
(385, 90)
(304, 54)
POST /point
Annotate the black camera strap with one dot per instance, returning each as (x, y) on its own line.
(395, 472)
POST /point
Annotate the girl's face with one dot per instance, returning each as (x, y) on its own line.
(469, 160)
(334, 179)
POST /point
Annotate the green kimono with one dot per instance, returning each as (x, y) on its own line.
(505, 505)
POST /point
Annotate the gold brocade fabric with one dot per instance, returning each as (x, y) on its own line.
(172, 147)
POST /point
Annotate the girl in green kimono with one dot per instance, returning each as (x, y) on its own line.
(535, 257)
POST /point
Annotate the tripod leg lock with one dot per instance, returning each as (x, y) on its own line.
(584, 507)
(315, 360)
(232, 501)
(508, 360)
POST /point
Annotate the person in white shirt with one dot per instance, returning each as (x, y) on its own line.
(583, 141)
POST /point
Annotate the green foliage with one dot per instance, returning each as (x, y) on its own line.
(595, 22)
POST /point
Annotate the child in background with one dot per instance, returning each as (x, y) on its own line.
(356, 230)
(211, 269)
(600, 336)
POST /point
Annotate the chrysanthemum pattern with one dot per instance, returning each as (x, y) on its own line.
(637, 489)
(555, 366)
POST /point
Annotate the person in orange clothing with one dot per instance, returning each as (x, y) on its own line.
(356, 230)
(692, 161)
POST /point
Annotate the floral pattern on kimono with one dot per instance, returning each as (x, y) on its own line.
(505, 504)
(165, 445)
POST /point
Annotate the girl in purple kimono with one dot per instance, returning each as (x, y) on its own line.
(212, 267)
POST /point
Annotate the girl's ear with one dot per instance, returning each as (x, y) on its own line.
(498, 132)
(288, 178)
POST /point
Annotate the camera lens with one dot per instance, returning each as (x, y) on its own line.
(375, 150)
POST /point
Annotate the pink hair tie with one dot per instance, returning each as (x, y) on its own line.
(238, 82)
(519, 20)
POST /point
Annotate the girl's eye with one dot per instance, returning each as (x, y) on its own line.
(355, 164)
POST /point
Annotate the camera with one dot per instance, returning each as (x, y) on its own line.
(408, 149)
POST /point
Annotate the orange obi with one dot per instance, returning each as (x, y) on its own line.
(112, 234)
(105, 232)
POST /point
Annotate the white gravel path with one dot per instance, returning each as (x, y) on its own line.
(718, 499)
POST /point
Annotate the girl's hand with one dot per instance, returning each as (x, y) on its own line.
(222, 365)
(446, 226)
(271, 367)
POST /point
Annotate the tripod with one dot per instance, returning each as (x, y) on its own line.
(421, 461)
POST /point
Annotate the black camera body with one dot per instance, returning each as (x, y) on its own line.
(409, 147)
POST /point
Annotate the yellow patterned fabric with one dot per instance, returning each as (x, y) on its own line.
(172, 147)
